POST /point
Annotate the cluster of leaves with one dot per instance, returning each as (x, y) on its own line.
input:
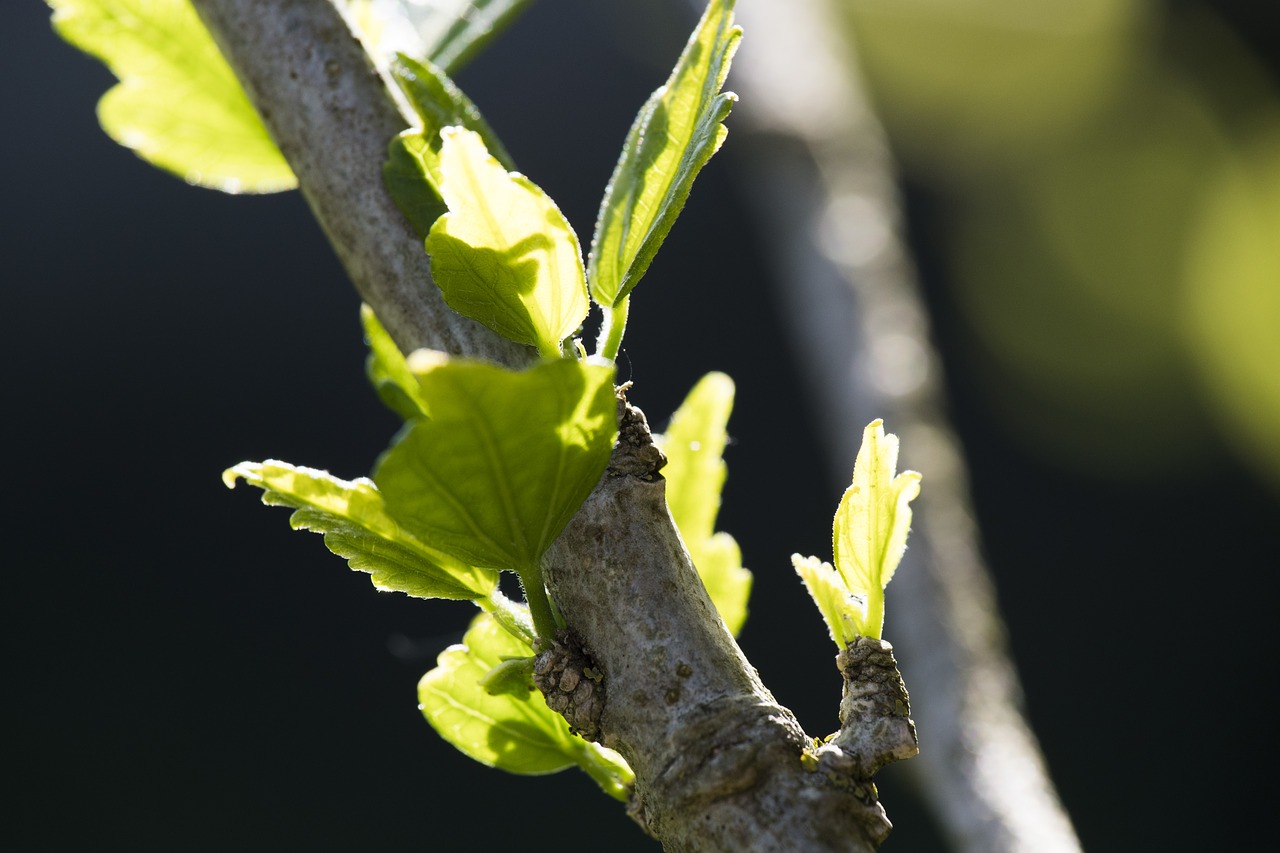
(492, 463)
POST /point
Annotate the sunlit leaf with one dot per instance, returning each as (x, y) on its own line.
(872, 522)
(453, 31)
(518, 734)
(511, 730)
(842, 612)
(504, 253)
(178, 104)
(674, 135)
(389, 372)
(355, 524)
(505, 460)
(695, 473)
(412, 170)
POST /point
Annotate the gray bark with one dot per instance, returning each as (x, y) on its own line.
(719, 764)
(824, 181)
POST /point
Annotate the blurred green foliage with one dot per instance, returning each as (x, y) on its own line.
(1109, 177)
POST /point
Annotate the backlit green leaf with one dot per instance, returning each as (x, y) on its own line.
(514, 731)
(843, 613)
(455, 30)
(178, 104)
(870, 531)
(518, 734)
(412, 170)
(389, 372)
(504, 254)
(674, 135)
(505, 460)
(356, 526)
(695, 472)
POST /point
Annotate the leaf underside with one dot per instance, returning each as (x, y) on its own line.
(178, 104)
(353, 519)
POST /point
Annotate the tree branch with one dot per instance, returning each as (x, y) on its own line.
(719, 764)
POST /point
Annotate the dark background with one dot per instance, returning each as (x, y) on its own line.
(186, 673)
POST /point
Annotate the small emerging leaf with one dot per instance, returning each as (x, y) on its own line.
(871, 524)
(869, 534)
(695, 472)
(505, 460)
(842, 612)
(178, 104)
(389, 372)
(355, 524)
(412, 170)
(673, 137)
(504, 253)
(513, 675)
(514, 731)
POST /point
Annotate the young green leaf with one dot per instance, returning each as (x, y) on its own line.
(178, 104)
(869, 536)
(842, 612)
(505, 460)
(455, 30)
(389, 372)
(412, 170)
(504, 253)
(355, 524)
(695, 472)
(517, 733)
(870, 531)
(674, 135)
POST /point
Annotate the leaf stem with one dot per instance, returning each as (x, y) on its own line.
(614, 779)
(535, 593)
(875, 613)
(509, 615)
(612, 328)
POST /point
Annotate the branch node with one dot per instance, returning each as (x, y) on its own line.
(875, 713)
(635, 454)
(573, 685)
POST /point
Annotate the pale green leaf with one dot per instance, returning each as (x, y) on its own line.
(844, 613)
(505, 460)
(514, 731)
(412, 170)
(871, 524)
(453, 31)
(719, 562)
(695, 473)
(355, 524)
(407, 173)
(178, 104)
(517, 734)
(389, 372)
(504, 254)
(674, 135)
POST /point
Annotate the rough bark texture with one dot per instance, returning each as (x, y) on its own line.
(719, 764)
(824, 182)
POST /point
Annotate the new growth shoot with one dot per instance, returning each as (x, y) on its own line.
(869, 536)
